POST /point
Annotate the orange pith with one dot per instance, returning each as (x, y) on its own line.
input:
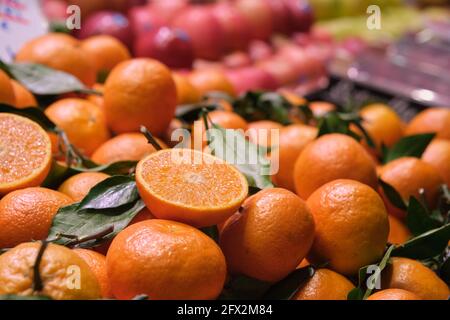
(211, 189)
(25, 153)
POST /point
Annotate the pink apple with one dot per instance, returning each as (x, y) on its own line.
(259, 14)
(235, 26)
(260, 50)
(55, 10)
(280, 15)
(204, 30)
(237, 59)
(143, 19)
(172, 47)
(169, 9)
(301, 15)
(107, 22)
(281, 69)
(251, 78)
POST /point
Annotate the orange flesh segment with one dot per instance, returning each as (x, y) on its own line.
(211, 184)
(24, 149)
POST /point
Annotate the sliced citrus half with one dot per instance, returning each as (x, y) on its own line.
(25, 153)
(190, 186)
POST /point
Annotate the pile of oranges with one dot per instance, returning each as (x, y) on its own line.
(327, 210)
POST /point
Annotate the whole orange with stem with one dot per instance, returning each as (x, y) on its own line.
(438, 155)
(25, 153)
(320, 108)
(433, 120)
(261, 132)
(64, 275)
(190, 186)
(131, 146)
(6, 90)
(82, 121)
(105, 51)
(293, 139)
(210, 80)
(398, 231)
(187, 93)
(97, 264)
(351, 221)
(78, 186)
(269, 236)
(27, 214)
(61, 52)
(330, 157)
(325, 284)
(393, 294)
(140, 92)
(409, 176)
(24, 98)
(413, 276)
(165, 260)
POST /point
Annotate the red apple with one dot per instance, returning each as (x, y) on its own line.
(235, 26)
(204, 30)
(301, 15)
(251, 78)
(143, 19)
(237, 59)
(280, 16)
(107, 22)
(259, 14)
(260, 50)
(55, 10)
(281, 69)
(169, 9)
(302, 61)
(172, 47)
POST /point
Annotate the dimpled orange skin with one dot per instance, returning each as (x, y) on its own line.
(330, 157)
(398, 232)
(186, 92)
(352, 226)
(79, 185)
(165, 260)
(61, 52)
(394, 294)
(209, 80)
(212, 190)
(83, 122)
(124, 147)
(413, 276)
(27, 214)
(260, 132)
(105, 51)
(408, 175)
(438, 155)
(24, 98)
(25, 153)
(269, 236)
(293, 139)
(97, 264)
(431, 120)
(325, 284)
(58, 268)
(140, 92)
(6, 90)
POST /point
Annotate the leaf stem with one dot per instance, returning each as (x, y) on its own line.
(150, 138)
(96, 236)
(37, 280)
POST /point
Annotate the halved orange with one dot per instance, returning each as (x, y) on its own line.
(25, 153)
(189, 186)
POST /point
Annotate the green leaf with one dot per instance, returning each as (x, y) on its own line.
(393, 196)
(244, 288)
(231, 146)
(43, 80)
(35, 114)
(426, 245)
(410, 146)
(418, 219)
(289, 286)
(17, 297)
(192, 112)
(338, 122)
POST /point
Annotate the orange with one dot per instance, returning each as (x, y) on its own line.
(97, 264)
(352, 226)
(269, 236)
(438, 155)
(95, 98)
(25, 153)
(186, 92)
(105, 51)
(61, 52)
(27, 214)
(331, 157)
(65, 276)
(408, 175)
(209, 80)
(293, 139)
(320, 108)
(413, 276)
(394, 294)
(24, 98)
(6, 90)
(382, 123)
(431, 120)
(165, 260)
(260, 132)
(292, 97)
(398, 232)
(190, 186)
(83, 122)
(140, 92)
(325, 284)
(124, 147)
(79, 185)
